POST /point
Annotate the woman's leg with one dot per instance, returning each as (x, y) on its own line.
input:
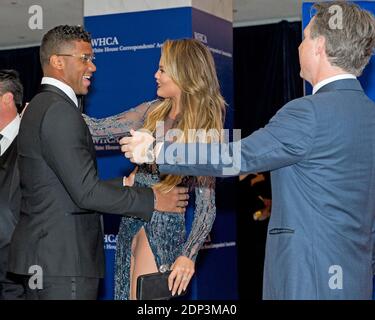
(142, 260)
(131, 270)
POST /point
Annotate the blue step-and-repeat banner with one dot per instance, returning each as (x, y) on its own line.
(367, 79)
(127, 49)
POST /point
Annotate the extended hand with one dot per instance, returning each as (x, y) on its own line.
(173, 201)
(138, 148)
(182, 272)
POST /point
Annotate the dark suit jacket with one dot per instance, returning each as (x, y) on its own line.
(10, 201)
(59, 228)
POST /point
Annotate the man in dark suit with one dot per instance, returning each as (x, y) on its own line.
(10, 194)
(59, 237)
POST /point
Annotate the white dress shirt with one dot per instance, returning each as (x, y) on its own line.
(331, 79)
(62, 86)
(9, 133)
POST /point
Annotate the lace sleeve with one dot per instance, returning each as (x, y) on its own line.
(115, 127)
(204, 216)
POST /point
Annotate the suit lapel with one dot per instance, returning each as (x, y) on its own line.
(55, 90)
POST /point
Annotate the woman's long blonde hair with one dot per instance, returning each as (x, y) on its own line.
(190, 65)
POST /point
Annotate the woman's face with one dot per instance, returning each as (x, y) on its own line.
(167, 88)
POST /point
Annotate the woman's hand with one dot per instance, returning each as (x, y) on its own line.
(129, 181)
(182, 272)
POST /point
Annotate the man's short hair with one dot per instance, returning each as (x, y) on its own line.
(351, 46)
(10, 82)
(60, 37)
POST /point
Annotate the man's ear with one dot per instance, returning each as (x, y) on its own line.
(320, 48)
(8, 98)
(56, 62)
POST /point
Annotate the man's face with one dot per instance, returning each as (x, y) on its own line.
(307, 55)
(77, 72)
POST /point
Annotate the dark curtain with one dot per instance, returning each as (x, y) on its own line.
(26, 62)
(266, 76)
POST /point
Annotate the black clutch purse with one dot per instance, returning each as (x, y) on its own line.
(154, 286)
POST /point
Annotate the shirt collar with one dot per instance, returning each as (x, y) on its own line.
(331, 79)
(62, 86)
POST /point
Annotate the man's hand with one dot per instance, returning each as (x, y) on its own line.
(173, 201)
(129, 181)
(139, 147)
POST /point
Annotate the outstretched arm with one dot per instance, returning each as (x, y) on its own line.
(285, 140)
(66, 149)
(111, 129)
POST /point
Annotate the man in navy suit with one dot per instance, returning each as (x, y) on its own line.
(321, 151)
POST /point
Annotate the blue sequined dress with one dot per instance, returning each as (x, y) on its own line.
(166, 231)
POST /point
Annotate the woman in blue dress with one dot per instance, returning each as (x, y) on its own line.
(190, 98)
